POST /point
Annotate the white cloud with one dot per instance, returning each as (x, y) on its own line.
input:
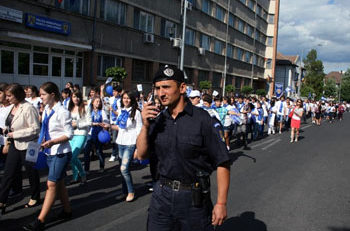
(316, 24)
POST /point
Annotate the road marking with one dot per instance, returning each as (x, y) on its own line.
(307, 126)
(271, 144)
(262, 143)
(112, 225)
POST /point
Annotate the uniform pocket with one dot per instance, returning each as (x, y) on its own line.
(190, 145)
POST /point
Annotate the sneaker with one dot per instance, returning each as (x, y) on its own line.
(112, 159)
(280, 132)
(35, 226)
(291, 141)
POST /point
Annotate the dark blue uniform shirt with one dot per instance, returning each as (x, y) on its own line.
(190, 142)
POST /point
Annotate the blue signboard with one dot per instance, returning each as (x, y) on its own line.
(278, 89)
(47, 24)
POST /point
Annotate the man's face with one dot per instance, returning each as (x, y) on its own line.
(169, 92)
(195, 100)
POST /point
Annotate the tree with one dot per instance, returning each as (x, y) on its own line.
(314, 74)
(330, 89)
(229, 88)
(345, 86)
(247, 90)
(306, 91)
(118, 73)
(204, 85)
(261, 92)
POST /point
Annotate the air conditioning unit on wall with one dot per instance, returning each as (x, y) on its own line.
(201, 51)
(176, 42)
(148, 38)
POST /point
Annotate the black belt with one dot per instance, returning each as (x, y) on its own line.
(175, 185)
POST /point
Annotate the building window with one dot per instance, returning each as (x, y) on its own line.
(269, 41)
(251, 4)
(231, 20)
(113, 11)
(238, 83)
(243, 1)
(143, 21)
(203, 76)
(206, 7)
(216, 79)
(257, 35)
(271, 18)
(255, 59)
(250, 30)
(56, 66)
(77, 6)
(218, 47)
(248, 56)
(106, 61)
(229, 51)
(141, 70)
(23, 63)
(7, 62)
(258, 10)
(239, 54)
(264, 14)
(205, 42)
(68, 67)
(189, 37)
(220, 13)
(79, 68)
(262, 38)
(268, 63)
(168, 29)
(40, 61)
(241, 26)
(246, 82)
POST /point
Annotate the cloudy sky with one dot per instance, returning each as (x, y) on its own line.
(323, 25)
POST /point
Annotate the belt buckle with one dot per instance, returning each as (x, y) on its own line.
(176, 185)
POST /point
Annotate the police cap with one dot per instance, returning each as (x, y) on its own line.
(169, 73)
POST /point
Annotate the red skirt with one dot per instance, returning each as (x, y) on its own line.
(295, 123)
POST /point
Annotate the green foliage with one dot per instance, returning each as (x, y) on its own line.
(306, 90)
(118, 73)
(261, 92)
(330, 89)
(345, 87)
(204, 85)
(314, 74)
(247, 90)
(229, 88)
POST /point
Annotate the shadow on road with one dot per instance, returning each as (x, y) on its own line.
(338, 229)
(235, 155)
(244, 222)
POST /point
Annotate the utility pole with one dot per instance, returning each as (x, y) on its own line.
(185, 5)
(300, 72)
(225, 65)
(341, 77)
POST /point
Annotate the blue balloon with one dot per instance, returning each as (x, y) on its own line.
(104, 137)
(109, 90)
(41, 161)
(144, 162)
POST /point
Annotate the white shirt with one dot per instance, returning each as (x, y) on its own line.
(278, 106)
(4, 112)
(129, 135)
(35, 102)
(83, 123)
(298, 111)
(60, 124)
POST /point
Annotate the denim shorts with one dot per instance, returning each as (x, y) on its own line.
(57, 166)
(280, 118)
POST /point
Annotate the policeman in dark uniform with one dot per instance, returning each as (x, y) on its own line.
(188, 147)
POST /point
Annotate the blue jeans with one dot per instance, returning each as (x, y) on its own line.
(126, 153)
(99, 151)
(114, 144)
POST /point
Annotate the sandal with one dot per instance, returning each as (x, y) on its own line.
(32, 205)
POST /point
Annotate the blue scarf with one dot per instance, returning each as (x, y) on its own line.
(115, 108)
(44, 132)
(122, 119)
(96, 118)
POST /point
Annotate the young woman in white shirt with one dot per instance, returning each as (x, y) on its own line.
(55, 134)
(81, 122)
(129, 125)
(296, 118)
(33, 98)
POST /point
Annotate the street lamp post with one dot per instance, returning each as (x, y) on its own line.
(225, 65)
(300, 73)
(341, 77)
(185, 5)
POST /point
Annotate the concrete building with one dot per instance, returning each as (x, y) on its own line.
(76, 40)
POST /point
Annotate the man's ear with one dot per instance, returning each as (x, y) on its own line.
(183, 88)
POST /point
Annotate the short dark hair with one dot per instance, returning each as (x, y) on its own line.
(217, 98)
(34, 89)
(50, 87)
(66, 91)
(3, 86)
(16, 90)
(207, 98)
(117, 88)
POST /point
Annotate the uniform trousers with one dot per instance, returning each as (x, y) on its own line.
(173, 211)
(13, 175)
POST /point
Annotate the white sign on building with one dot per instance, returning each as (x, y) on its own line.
(11, 14)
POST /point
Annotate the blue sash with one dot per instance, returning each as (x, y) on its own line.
(281, 107)
(96, 118)
(122, 119)
(115, 108)
(44, 132)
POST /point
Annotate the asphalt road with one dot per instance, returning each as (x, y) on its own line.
(275, 186)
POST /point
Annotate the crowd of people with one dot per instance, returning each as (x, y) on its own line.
(65, 125)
